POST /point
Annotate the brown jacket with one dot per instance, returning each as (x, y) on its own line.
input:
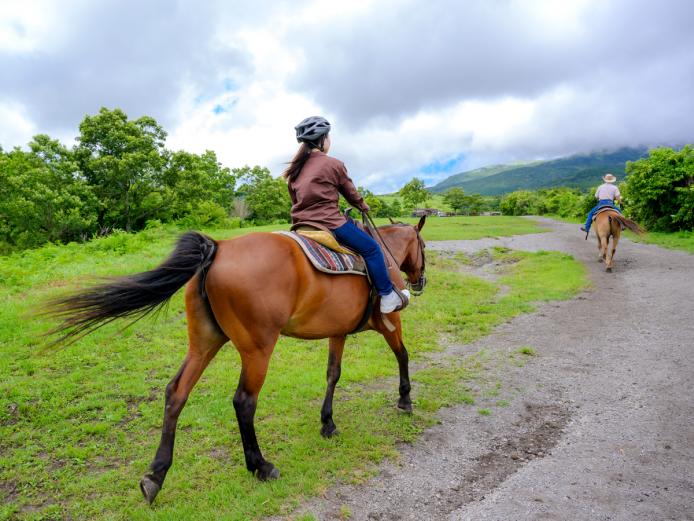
(315, 192)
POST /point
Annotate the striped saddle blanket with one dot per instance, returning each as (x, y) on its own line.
(604, 209)
(327, 260)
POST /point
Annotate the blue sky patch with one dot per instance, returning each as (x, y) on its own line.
(230, 85)
(445, 166)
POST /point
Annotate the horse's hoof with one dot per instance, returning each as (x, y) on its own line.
(405, 408)
(328, 431)
(267, 471)
(149, 489)
(608, 269)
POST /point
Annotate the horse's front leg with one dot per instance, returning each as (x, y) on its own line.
(336, 347)
(394, 339)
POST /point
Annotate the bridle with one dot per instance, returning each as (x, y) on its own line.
(417, 288)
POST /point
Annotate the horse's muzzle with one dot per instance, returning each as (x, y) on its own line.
(417, 288)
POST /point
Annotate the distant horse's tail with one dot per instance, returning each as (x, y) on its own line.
(133, 295)
(627, 223)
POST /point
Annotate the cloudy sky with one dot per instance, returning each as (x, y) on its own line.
(411, 88)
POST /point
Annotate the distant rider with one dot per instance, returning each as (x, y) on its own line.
(315, 182)
(606, 194)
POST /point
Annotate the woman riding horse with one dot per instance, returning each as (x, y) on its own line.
(315, 182)
(250, 290)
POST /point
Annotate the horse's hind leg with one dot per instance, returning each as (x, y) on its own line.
(394, 339)
(603, 247)
(337, 345)
(205, 339)
(255, 358)
(615, 240)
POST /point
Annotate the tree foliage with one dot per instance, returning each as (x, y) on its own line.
(43, 197)
(564, 202)
(659, 190)
(414, 193)
(464, 204)
(123, 161)
(121, 176)
(266, 197)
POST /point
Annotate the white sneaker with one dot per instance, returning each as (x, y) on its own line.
(392, 300)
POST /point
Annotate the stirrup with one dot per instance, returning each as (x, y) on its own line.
(403, 298)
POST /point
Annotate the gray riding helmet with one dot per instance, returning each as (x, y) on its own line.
(311, 129)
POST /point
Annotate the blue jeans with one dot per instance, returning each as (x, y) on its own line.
(601, 203)
(357, 240)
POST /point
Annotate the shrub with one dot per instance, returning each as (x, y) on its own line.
(659, 190)
(205, 214)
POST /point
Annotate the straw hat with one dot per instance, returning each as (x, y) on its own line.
(609, 178)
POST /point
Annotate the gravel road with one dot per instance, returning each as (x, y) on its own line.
(599, 423)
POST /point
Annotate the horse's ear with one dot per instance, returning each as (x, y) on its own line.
(421, 222)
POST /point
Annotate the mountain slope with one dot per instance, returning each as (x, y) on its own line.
(581, 171)
(478, 173)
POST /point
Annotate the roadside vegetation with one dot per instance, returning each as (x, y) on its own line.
(658, 193)
(79, 424)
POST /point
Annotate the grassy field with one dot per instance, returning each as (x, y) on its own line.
(80, 424)
(675, 241)
(460, 227)
(434, 201)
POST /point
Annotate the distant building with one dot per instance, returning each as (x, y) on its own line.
(421, 212)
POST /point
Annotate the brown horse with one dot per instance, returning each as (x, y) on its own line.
(249, 290)
(609, 223)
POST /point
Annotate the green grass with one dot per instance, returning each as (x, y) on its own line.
(674, 241)
(79, 425)
(470, 228)
(527, 350)
(434, 201)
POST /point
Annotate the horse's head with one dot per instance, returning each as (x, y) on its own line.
(408, 246)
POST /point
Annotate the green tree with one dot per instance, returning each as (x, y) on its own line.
(267, 197)
(455, 198)
(414, 193)
(473, 204)
(123, 160)
(192, 181)
(659, 190)
(520, 202)
(395, 210)
(43, 197)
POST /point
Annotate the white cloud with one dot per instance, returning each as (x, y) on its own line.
(405, 84)
(16, 127)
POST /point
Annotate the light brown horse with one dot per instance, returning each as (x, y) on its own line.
(249, 290)
(609, 223)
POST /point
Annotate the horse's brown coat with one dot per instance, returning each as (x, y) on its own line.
(256, 288)
(609, 224)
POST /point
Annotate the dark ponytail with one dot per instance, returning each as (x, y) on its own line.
(300, 158)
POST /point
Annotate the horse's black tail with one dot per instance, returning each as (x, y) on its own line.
(133, 295)
(628, 223)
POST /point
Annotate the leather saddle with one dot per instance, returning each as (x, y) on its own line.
(603, 209)
(321, 236)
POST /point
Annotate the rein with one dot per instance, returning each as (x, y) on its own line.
(370, 224)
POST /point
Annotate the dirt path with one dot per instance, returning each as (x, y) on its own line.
(600, 423)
